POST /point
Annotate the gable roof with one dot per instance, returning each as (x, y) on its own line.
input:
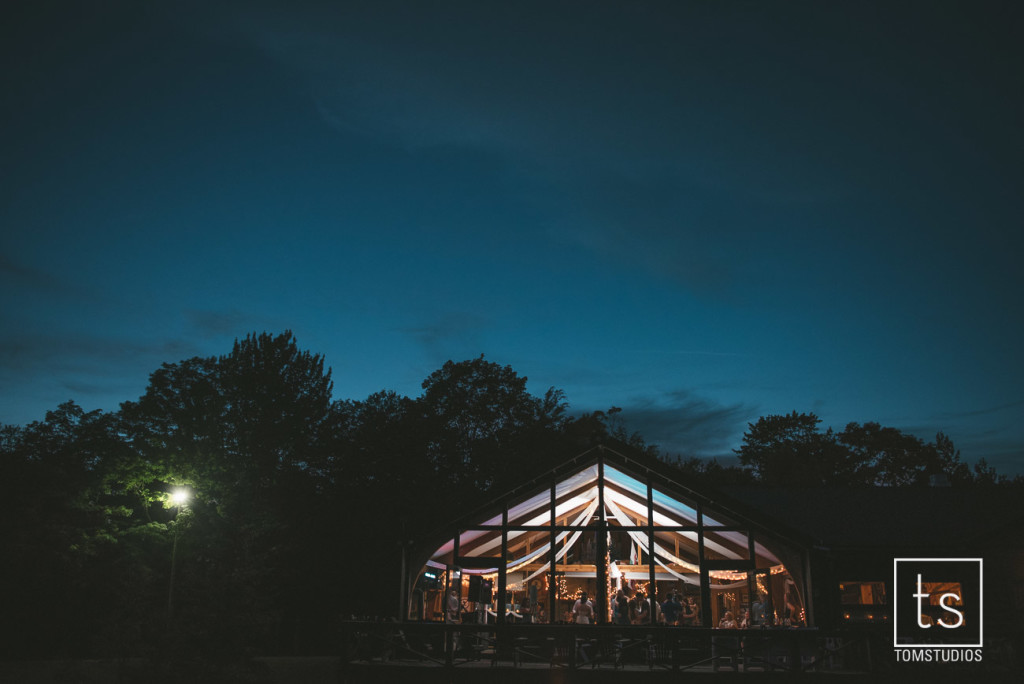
(622, 490)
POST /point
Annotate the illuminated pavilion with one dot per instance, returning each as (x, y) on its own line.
(604, 522)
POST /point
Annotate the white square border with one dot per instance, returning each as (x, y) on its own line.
(981, 602)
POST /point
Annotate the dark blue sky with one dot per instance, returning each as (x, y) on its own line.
(700, 212)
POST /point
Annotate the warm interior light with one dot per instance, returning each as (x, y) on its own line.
(179, 496)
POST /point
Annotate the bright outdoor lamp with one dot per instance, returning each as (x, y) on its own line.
(179, 497)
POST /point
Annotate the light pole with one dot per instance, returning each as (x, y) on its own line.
(180, 498)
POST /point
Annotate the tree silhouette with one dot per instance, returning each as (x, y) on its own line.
(790, 450)
(483, 422)
(296, 495)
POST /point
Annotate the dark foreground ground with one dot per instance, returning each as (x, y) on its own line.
(329, 670)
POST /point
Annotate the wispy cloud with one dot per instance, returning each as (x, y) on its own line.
(450, 335)
(684, 423)
(97, 372)
(986, 411)
(634, 181)
(213, 324)
(21, 279)
(28, 355)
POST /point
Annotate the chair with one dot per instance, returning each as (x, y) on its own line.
(725, 652)
(659, 652)
(560, 655)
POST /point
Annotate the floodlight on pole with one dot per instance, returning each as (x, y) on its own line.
(180, 496)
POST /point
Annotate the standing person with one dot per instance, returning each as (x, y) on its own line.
(689, 618)
(671, 609)
(526, 610)
(583, 610)
(696, 612)
(451, 616)
(622, 608)
(451, 608)
(641, 609)
(758, 613)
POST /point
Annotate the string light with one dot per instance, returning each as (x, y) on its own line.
(608, 580)
(742, 575)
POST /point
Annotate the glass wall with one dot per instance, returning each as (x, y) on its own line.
(621, 536)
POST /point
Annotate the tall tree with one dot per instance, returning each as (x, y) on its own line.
(250, 432)
(886, 456)
(384, 447)
(176, 430)
(278, 404)
(789, 450)
(482, 420)
(57, 521)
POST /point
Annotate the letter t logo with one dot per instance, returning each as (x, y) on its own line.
(919, 596)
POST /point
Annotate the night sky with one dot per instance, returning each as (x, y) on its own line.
(701, 212)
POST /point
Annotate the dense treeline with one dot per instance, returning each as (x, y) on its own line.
(300, 503)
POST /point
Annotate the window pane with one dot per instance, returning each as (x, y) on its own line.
(480, 549)
(579, 482)
(729, 603)
(787, 602)
(534, 511)
(764, 556)
(726, 546)
(862, 593)
(677, 550)
(528, 552)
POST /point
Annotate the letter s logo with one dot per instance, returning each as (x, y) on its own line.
(959, 615)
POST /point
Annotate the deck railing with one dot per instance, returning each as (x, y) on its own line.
(606, 646)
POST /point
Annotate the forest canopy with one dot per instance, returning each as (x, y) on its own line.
(289, 486)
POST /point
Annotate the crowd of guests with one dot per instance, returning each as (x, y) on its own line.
(631, 607)
(757, 616)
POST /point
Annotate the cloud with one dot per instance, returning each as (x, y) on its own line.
(47, 369)
(986, 411)
(18, 278)
(209, 324)
(450, 335)
(31, 355)
(686, 424)
(638, 155)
